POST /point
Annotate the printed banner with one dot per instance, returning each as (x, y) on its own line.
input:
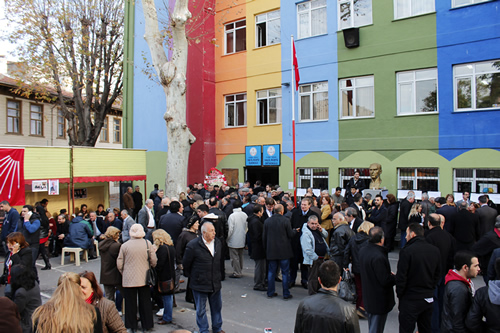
(12, 176)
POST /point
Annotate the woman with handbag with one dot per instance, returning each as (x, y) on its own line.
(134, 261)
(165, 269)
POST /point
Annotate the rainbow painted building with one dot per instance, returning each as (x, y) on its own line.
(412, 85)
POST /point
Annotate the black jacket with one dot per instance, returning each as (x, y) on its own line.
(446, 244)
(450, 214)
(392, 213)
(378, 216)
(359, 185)
(165, 266)
(182, 241)
(357, 222)
(484, 248)
(44, 221)
(377, 279)
(487, 216)
(110, 275)
(351, 253)
(418, 269)
(404, 211)
(457, 300)
(485, 304)
(31, 235)
(338, 242)
(221, 226)
(465, 228)
(172, 223)
(326, 312)
(255, 231)
(201, 267)
(276, 238)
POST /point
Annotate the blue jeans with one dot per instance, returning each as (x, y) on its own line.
(215, 302)
(376, 323)
(271, 275)
(403, 239)
(168, 306)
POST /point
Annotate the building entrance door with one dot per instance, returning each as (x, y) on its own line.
(267, 175)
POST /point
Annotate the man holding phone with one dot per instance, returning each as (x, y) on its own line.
(31, 231)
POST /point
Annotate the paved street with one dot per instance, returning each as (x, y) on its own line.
(244, 310)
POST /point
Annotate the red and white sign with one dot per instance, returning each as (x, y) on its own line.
(12, 176)
(214, 177)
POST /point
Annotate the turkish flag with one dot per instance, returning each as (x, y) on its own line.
(296, 68)
(12, 176)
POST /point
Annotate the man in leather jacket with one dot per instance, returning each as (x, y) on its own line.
(325, 311)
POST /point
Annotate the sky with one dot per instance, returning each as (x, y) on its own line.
(5, 46)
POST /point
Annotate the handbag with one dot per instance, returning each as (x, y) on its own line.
(347, 287)
(167, 287)
(151, 272)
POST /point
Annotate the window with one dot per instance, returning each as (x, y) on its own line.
(269, 106)
(316, 178)
(354, 13)
(476, 86)
(236, 36)
(357, 99)
(311, 18)
(407, 8)
(422, 179)
(347, 173)
(459, 3)
(476, 180)
(117, 130)
(268, 28)
(104, 130)
(417, 91)
(236, 110)
(313, 101)
(14, 117)
(36, 120)
(61, 125)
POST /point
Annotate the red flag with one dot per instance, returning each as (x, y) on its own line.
(12, 176)
(296, 67)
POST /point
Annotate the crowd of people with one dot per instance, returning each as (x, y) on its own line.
(444, 244)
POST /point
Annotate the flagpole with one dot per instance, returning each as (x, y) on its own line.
(293, 86)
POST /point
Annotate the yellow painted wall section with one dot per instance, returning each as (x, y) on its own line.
(230, 78)
(46, 162)
(94, 162)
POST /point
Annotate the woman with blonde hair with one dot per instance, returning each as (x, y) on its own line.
(66, 311)
(165, 269)
(450, 200)
(416, 215)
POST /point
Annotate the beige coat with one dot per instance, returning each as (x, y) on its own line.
(132, 262)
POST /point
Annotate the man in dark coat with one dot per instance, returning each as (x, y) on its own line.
(465, 230)
(299, 217)
(276, 239)
(201, 264)
(30, 229)
(485, 246)
(449, 213)
(79, 235)
(137, 196)
(418, 274)
(325, 311)
(404, 211)
(173, 222)
(377, 280)
(379, 212)
(355, 182)
(487, 216)
(255, 231)
(10, 223)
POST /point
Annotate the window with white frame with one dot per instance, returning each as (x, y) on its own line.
(357, 99)
(104, 137)
(347, 173)
(117, 130)
(421, 179)
(36, 119)
(408, 8)
(313, 103)
(61, 125)
(476, 180)
(417, 91)
(236, 110)
(311, 18)
(317, 178)
(236, 36)
(476, 86)
(354, 13)
(14, 117)
(269, 106)
(460, 3)
(268, 28)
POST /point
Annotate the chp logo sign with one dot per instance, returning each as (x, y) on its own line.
(12, 176)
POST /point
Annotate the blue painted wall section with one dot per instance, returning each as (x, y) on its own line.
(317, 58)
(464, 35)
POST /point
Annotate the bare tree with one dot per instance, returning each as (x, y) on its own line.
(76, 44)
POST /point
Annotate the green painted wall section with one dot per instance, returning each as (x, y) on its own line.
(234, 161)
(386, 47)
(128, 75)
(156, 169)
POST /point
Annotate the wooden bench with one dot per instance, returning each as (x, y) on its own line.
(74, 255)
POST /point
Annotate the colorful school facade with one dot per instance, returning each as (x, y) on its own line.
(411, 85)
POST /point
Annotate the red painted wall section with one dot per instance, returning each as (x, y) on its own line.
(201, 94)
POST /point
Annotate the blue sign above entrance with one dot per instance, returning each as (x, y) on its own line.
(253, 155)
(271, 155)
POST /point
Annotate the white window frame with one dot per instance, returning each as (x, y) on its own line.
(311, 93)
(117, 129)
(267, 98)
(413, 11)
(415, 178)
(61, 121)
(353, 22)
(309, 174)
(472, 76)
(36, 125)
(104, 135)
(470, 2)
(354, 88)
(413, 81)
(233, 31)
(12, 119)
(309, 11)
(266, 20)
(474, 180)
(234, 102)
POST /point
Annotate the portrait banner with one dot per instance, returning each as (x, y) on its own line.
(12, 176)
